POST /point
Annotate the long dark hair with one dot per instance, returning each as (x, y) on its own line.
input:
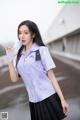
(33, 28)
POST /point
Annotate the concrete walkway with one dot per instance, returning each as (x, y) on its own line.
(18, 111)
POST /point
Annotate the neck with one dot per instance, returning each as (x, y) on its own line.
(29, 46)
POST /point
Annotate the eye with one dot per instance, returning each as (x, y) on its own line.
(26, 32)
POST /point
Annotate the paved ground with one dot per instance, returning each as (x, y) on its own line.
(19, 111)
(15, 100)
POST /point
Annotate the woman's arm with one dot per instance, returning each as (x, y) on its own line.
(13, 74)
(55, 84)
(51, 76)
(10, 54)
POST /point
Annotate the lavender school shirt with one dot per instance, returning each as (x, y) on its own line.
(34, 73)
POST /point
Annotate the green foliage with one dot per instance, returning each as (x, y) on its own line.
(2, 51)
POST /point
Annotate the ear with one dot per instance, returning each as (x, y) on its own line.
(33, 36)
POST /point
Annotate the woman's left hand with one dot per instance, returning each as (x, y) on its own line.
(65, 107)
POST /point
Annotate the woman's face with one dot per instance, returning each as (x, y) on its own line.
(25, 35)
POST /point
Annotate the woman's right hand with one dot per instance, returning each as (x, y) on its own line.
(10, 54)
(8, 50)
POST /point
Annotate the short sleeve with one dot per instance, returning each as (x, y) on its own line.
(47, 60)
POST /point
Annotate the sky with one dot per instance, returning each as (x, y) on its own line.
(12, 12)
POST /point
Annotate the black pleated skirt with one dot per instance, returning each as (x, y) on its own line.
(47, 109)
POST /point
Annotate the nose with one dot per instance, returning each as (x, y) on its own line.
(22, 36)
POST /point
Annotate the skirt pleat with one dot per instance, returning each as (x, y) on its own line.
(51, 111)
(47, 109)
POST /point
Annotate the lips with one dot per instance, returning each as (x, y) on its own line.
(23, 40)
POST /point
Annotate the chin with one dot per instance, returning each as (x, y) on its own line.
(23, 43)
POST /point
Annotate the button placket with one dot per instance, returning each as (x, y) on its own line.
(27, 55)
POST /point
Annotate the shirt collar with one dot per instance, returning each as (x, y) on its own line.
(35, 47)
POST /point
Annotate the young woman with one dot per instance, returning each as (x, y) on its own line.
(34, 65)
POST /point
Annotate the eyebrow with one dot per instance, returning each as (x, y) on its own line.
(24, 30)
